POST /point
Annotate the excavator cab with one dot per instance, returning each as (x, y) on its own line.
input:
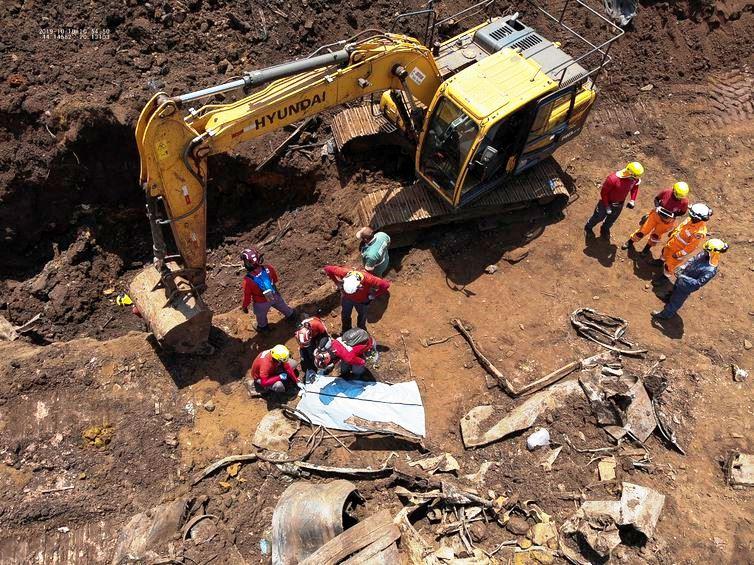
(494, 120)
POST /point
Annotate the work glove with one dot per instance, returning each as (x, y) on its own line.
(283, 376)
(631, 204)
(609, 210)
(245, 309)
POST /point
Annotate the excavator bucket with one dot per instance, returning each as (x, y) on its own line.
(180, 323)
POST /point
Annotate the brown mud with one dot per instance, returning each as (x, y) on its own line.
(74, 230)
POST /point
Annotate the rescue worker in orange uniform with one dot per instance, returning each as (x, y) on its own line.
(669, 205)
(686, 237)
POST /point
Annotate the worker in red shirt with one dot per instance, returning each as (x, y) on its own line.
(260, 287)
(358, 289)
(353, 349)
(274, 370)
(670, 204)
(308, 335)
(613, 195)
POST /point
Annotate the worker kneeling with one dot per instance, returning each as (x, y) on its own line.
(308, 335)
(353, 349)
(685, 239)
(274, 370)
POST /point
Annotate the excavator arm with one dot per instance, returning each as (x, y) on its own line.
(174, 143)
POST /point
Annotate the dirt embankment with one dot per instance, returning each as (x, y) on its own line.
(77, 78)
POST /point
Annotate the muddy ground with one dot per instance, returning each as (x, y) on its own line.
(74, 234)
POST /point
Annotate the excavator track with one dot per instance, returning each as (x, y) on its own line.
(358, 123)
(415, 207)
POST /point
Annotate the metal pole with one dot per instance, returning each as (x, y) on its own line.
(263, 76)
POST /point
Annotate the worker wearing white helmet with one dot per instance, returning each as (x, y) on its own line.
(686, 238)
(358, 289)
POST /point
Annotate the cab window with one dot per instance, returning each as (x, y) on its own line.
(449, 138)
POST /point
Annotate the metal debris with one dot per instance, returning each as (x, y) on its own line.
(480, 427)
(605, 330)
(620, 402)
(307, 516)
(150, 530)
(596, 522)
(444, 463)
(640, 507)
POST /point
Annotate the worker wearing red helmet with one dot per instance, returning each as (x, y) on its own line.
(274, 370)
(308, 335)
(353, 349)
(358, 290)
(260, 288)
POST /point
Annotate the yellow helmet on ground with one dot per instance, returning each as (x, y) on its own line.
(280, 353)
(680, 189)
(715, 245)
(634, 169)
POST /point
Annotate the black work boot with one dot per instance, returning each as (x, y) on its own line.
(628, 245)
(647, 250)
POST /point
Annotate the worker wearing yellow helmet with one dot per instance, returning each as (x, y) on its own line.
(615, 189)
(670, 204)
(692, 276)
(274, 370)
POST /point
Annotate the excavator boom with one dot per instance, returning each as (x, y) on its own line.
(174, 144)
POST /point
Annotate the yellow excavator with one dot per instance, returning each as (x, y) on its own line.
(483, 112)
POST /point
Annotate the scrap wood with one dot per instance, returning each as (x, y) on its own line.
(444, 463)
(379, 551)
(450, 491)
(362, 473)
(287, 141)
(595, 326)
(429, 342)
(317, 436)
(419, 551)
(384, 428)
(209, 469)
(376, 527)
(59, 489)
(483, 361)
(408, 359)
(537, 385)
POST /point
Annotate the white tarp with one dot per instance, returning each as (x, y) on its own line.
(331, 401)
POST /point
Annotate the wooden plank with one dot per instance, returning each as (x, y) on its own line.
(375, 548)
(352, 540)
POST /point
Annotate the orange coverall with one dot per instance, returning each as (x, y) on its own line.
(683, 240)
(655, 226)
